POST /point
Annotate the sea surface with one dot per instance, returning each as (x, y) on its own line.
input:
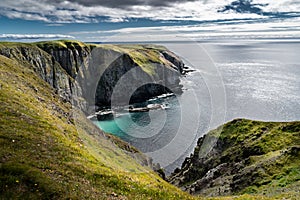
(253, 79)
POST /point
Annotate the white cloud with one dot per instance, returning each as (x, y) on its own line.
(280, 6)
(34, 36)
(255, 30)
(25, 16)
(67, 12)
(56, 13)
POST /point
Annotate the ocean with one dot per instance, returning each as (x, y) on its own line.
(253, 79)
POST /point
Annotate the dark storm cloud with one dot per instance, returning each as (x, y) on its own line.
(126, 3)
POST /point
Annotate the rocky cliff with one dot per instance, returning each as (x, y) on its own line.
(142, 71)
(42, 63)
(87, 74)
(244, 156)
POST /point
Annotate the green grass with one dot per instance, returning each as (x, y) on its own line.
(46, 154)
(60, 44)
(271, 149)
(259, 137)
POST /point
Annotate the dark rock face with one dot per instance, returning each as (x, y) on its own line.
(175, 60)
(99, 69)
(134, 84)
(142, 93)
(70, 57)
(89, 74)
(242, 156)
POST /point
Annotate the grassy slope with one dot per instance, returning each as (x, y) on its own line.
(274, 150)
(45, 156)
(272, 154)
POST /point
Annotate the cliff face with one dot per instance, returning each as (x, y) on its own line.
(142, 70)
(43, 64)
(244, 156)
(88, 74)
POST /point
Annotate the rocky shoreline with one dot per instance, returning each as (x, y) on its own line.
(146, 106)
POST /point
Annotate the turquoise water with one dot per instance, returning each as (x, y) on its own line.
(111, 126)
(122, 125)
(148, 131)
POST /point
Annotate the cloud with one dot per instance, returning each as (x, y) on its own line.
(34, 36)
(125, 3)
(93, 11)
(254, 30)
(13, 14)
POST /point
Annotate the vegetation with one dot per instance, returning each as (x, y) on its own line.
(272, 148)
(46, 154)
(60, 44)
(260, 158)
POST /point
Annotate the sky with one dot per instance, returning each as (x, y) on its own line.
(148, 20)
